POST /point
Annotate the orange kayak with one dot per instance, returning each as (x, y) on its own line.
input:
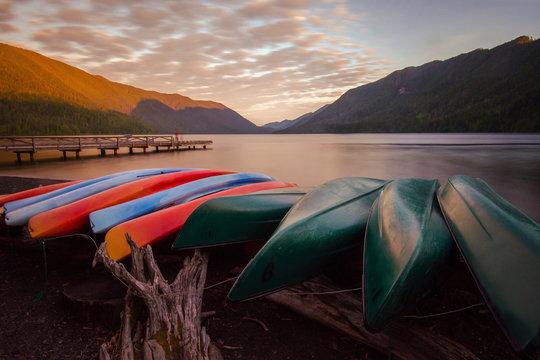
(73, 217)
(35, 191)
(166, 223)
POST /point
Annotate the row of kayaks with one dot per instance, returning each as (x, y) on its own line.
(407, 229)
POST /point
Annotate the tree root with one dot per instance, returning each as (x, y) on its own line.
(160, 320)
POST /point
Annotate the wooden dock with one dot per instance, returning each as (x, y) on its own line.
(76, 143)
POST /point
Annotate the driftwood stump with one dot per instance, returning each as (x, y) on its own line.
(343, 312)
(160, 320)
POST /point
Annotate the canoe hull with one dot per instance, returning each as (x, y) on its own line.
(407, 244)
(234, 219)
(501, 247)
(318, 230)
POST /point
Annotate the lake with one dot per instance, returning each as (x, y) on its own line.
(509, 163)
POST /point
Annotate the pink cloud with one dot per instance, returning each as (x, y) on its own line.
(6, 28)
(6, 11)
(70, 15)
(95, 45)
(281, 55)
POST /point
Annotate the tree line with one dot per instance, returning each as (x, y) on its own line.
(24, 114)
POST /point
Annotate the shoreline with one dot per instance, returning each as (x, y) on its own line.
(48, 328)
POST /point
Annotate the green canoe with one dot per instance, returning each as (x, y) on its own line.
(323, 225)
(407, 244)
(233, 219)
(501, 246)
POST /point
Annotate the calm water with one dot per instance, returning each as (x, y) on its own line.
(509, 163)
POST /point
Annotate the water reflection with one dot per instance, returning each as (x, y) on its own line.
(512, 170)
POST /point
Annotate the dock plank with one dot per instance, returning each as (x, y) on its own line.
(32, 144)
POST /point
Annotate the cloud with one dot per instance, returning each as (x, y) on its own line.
(90, 44)
(70, 15)
(6, 11)
(266, 59)
(147, 17)
(259, 10)
(284, 30)
(7, 28)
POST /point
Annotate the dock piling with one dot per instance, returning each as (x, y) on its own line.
(31, 144)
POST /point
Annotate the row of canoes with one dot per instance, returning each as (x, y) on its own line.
(404, 226)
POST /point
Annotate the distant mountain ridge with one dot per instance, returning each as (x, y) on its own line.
(27, 74)
(496, 90)
(280, 125)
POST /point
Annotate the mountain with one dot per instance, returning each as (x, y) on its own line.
(495, 90)
(280, 125)
(34, 85)
(192, 119)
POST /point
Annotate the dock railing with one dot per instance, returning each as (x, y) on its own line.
(77, 143)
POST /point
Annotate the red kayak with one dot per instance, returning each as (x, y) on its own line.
(166, 223)
(35, 191)
(72, 218)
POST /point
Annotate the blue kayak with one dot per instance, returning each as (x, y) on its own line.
(21, 215)
(14, 205)
(105, 219)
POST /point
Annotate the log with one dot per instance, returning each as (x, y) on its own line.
(160, 320)
(343, 312)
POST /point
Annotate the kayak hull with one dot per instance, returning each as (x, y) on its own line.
(21, 216)
(14, 205)
(35, 191)
(73, 218)
(407, 244)
(319, 229)
(103, 220)
(501, 246)
(165, 224)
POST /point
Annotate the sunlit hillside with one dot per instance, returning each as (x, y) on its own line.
(25, 73)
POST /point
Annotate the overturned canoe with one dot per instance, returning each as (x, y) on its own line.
(72, 218)
(407, 243)
(501, 246)
(164, 224)
(22, 215)
(105, 219)
(234, 219)
(316, 231)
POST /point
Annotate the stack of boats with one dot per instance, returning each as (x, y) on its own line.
(408, 229)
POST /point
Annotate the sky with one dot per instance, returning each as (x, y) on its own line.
(269, 60)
